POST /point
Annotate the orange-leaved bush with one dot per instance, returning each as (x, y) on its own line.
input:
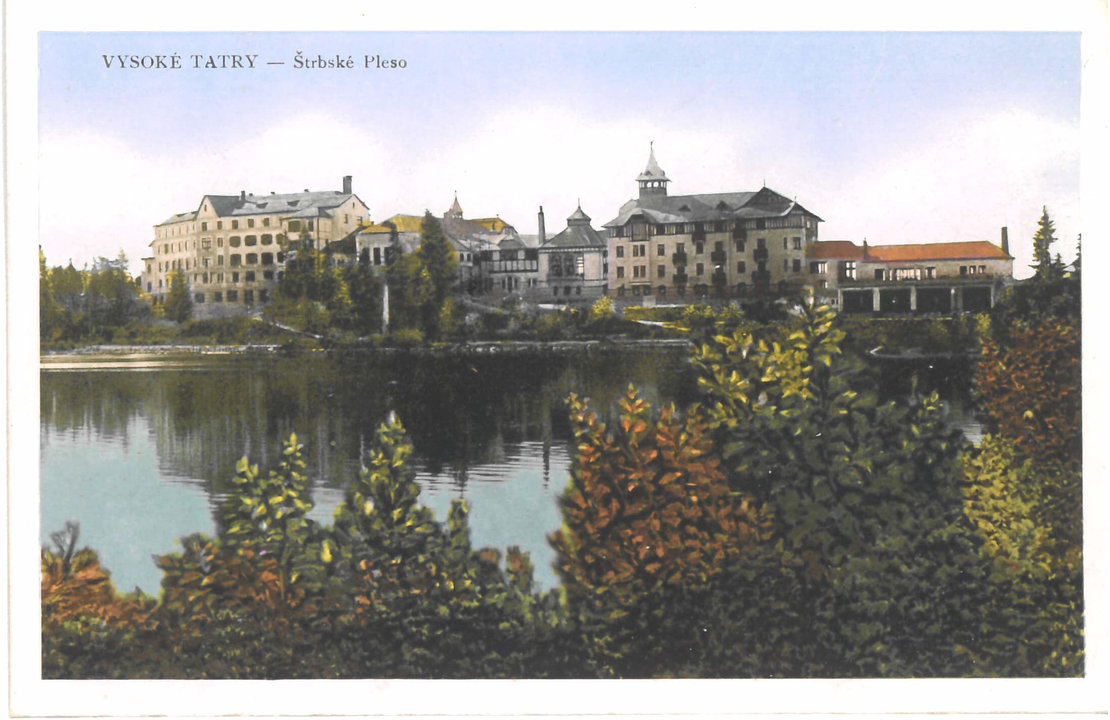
(648, 523)
(1030, 391)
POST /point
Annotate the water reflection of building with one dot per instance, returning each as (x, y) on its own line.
(913, 278)
(231, 248)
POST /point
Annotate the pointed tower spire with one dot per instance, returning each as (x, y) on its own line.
(456, 210)
(578, 217)
(653, 181)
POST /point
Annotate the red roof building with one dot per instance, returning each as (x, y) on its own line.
(921, 277)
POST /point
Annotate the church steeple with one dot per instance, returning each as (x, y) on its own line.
(456, 210)
(653, 181)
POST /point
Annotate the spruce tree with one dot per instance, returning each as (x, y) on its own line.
(1045, 266)
(438, 256)
(179, 304)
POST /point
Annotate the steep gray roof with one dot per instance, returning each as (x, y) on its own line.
(702, 207)
(576, 236)
(578, 217)
(302, 204)
(179, 217)
(652, 171)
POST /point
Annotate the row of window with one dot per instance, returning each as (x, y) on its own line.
(205, 278)
(235, 224)
(247, 276)
(232, 296)
(233, 241)
(640, 249)
(848, 271)
(639, 271)
(681, 291)
(236, 261)
(639, 229)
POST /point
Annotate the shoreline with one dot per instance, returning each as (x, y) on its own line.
(137, 356)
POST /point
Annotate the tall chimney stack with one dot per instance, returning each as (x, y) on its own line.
(242, 196)
(1006, 240)
(346, 184)
(543, 232)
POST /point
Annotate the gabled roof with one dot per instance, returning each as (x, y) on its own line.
(968, 250)
(916, 252)
(834, 250)
(277, 204)
(764, 203)
(179, 217)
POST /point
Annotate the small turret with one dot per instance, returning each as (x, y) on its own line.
(653, 181)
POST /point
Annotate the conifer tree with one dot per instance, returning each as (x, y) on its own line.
(1046, 267)
(179, 304)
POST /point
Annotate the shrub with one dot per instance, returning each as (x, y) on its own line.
(1029, 390)
(647, 518)
(405, 338)
(602, 309)
(878, 571)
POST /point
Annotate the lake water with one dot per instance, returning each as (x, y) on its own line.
(142, 457)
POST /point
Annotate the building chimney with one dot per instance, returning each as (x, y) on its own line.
(346, 184)
(1006, 240)
(242, 196)
(543, 232)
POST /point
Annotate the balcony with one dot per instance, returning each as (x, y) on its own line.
(678, 258)
(717, 256)
(761, 277)
(680, 278)
(699, 236)
(739, 234)
(760, 254)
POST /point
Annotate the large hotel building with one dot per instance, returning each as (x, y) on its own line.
(719, 244)
(231, 247)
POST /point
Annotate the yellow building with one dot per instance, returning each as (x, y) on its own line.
(706, 245)
(232, 248)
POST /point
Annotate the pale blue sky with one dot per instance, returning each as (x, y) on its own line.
(896, 137)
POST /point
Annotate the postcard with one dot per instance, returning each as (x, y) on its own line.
(689, 367)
